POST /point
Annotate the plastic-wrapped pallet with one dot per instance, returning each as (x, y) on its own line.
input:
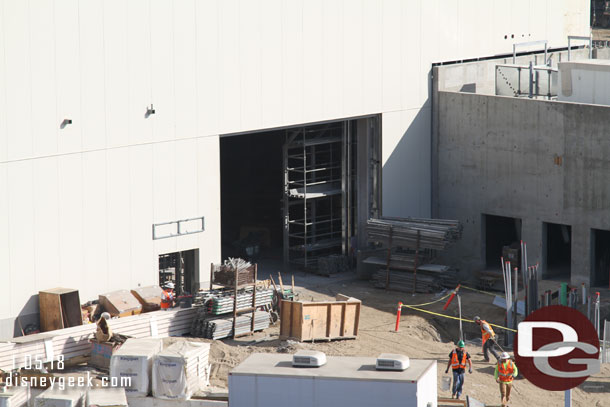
(134, 360)
(106, 397)
(53, 397)
(180, 370)
(16, 396)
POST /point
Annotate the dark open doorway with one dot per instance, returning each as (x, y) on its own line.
(557, 251)
(600, 270)
(499, 231)
(251, 188)
(181, 269)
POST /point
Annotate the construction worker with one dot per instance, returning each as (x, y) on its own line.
(167, 297)
(488, 337)
(506, 371)
(457, 361)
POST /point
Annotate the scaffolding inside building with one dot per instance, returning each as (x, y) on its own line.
(316, 193)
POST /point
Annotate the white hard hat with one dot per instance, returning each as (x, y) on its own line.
(169, 285)
(504, 356)
(105, 315)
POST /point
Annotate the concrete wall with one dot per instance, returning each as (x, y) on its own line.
(77, 202)
(498, 156)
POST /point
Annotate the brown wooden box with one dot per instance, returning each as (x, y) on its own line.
(306, 321)
(149, 297)
(120, 303)
(59, 308)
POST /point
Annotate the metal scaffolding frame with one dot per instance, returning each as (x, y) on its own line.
(317, 193)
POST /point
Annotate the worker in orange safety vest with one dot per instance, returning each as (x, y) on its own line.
(458, 359)
(167, 297)
(506, 371)
(488, 337)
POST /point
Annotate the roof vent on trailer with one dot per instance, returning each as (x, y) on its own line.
(308, 358)
(392, 361)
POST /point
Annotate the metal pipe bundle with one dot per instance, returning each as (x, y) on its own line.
(218, 328)
(434, 234)
(403, 281)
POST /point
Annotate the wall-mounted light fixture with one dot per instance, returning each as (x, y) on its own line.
(65, 122)
(149, 110)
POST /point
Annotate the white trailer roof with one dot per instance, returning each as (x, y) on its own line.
(340, 367)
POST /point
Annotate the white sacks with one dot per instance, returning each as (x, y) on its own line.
(133, 362)
(15, 396)
(106, 397)
(53, 397)
(180, 370)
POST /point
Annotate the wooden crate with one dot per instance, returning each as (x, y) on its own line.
(120, 303)
(149, 297)
(59, 308)
(315, 321)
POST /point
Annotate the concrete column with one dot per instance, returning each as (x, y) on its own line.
(581, 255)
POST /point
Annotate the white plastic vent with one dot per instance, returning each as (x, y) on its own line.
(308, 358)
(392, 361)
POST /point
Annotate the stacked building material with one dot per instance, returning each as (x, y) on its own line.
(426, 282)
(222, 304)
(218, 328)
(180, 370)
(106, 397)
(332, 264)
(15, 396)
(54, 397)
(134, 360)
(225, 273)
(435, 234)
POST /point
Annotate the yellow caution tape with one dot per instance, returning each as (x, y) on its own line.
(428, 303)
(456, 318)
(480, 291)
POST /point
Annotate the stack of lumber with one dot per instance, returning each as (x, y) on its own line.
(434, 234)
(74, 341)
(180, 370)
(218, 328)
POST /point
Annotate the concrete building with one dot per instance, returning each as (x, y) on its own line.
(535, 169)
(115, 120)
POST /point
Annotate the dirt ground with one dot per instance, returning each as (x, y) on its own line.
(420, 336)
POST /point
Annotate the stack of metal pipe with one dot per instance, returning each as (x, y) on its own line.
(222, 327)
(223, 304)
(434, 234)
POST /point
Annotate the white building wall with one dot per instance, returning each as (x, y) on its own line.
(77, 203)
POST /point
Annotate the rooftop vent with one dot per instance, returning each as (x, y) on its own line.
(392, 361)
(308, 358)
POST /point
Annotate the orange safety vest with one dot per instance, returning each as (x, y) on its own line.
(166, 300)
(455, 363)
(486, 335)
(505, 373)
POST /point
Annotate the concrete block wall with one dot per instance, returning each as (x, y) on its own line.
(498, 156)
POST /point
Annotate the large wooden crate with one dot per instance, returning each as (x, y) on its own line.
(314, 321)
